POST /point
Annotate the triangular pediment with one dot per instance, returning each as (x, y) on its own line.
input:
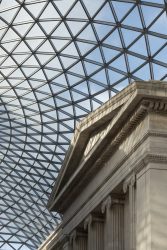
(92, 136)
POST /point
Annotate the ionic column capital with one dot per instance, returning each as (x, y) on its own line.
(109, 202)
(91, 218)
(73, 236)
(129, 182)
(106, 204)
(87, 221)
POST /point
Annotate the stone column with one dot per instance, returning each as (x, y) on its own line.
(129, 185)
(78, 240)
(113, 223)
(95, 226)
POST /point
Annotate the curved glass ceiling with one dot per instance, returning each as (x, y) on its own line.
(59, 60)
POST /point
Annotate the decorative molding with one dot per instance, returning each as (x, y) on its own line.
(106, 204)
(130, 181)
(87, 221)
(92, 218)
(109, 202)
(77, 233)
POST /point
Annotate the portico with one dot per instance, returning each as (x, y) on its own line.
(112, 187)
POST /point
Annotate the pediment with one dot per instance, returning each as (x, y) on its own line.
(93, 134)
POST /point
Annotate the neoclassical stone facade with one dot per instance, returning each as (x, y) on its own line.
(112, 187)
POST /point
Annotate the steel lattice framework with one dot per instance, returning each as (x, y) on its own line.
(60, 60)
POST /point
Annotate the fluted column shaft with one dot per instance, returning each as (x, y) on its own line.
(129, 186)
(78, 240)
(95, 227)
(113, 224)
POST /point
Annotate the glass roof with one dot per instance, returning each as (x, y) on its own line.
(60, 60)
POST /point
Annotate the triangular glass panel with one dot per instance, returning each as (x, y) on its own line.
(105, 14)
(77, 12)
(49, 26)
(10, 33)
(109, 54)
(50, 12)
(54, 63)
(2, 52)
(10, 46)
(119, 63)
(83, 87)
(160, 25)
(6, 71)
(34, 43)
(77, 69)
(102, 30)
(67, 61)
(76, 26)
(100, 77)
(86, 104)
(35, 31)
(35, 9)
(46, 47)
(39, 75)
(32, 61)
(63, 8)
(22, 47)
(9, 62)
(134, 15)
(155, 43)
(121, 85)
(84, 47)
(65, 95)
(103, 97)
(28, 71)
(61, 80)
(129, 36)
(5, 15)
(159, 71)
(22, 16)
(121, 8)
(23, 28)
(96, 104)
(139, 47)
(114, 76)
(91, 67)
(113, 39)
(87, 34)
(95, 88)
(70, 50)
(73, 79)
(143, 73)
(43, 58)
(162, 55)
(56, 88)
(134, 62)
(2, 31)
(80, 111)
(95, 55)
(78, 95)
(51, 73)
(150, 13)
(61, 31)
(60, 102)
(59, 44)
(92, 6)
